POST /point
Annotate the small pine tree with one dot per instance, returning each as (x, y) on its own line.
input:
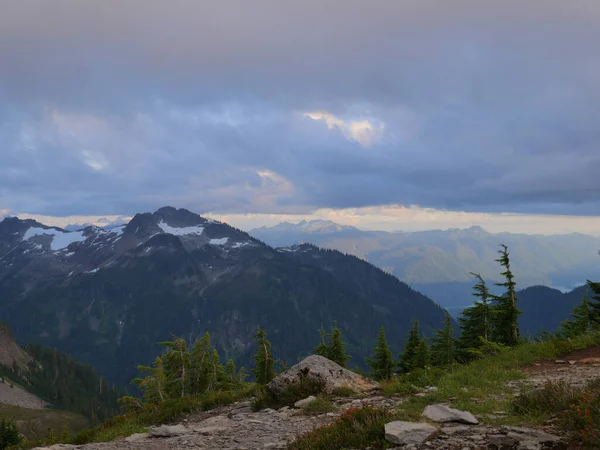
(334, 350)
(51, 438)
(242, 375)
(407, 358)
(338, 353)
(582, 322)
(475, 321)
(153, 386)
(322, 349)
(422, 355)
(66, 435)
(264, 365)
(231, 372)
(443, 345)
(9, 434)
(506, 313)
(200, 365)
(177, 366)
(382, 363)
(595, 301)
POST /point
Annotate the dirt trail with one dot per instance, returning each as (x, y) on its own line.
(574, 368)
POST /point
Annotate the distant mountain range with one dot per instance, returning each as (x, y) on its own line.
(438, 262)
(108, 295)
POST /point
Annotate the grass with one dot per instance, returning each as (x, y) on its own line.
(321, 404)
(34, 423)
(480, 387)
(344, 391)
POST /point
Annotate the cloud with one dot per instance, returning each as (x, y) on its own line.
(362, 131)
(476, 107)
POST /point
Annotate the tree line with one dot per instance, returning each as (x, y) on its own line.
(488, 326)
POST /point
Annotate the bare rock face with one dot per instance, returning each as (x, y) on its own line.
(322, 370)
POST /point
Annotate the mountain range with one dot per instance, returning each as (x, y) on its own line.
(108, 295)
(438, 262)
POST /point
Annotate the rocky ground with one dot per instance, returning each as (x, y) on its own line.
(237, 427)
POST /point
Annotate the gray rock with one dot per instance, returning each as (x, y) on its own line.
(136, 437)
(502, 441)
(443, 413)
(408, 433)
(531, 439)
(210, 430)
(319, 369)
(456, 429)
(168, 431)
(306, 401)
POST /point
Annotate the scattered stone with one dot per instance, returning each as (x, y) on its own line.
(164, 431)
(455, 429)
(306, 401)
(572, 361)
(322, 370)
(502, 441)
(589, 361)
(210, 430)
(530, 438)
(408, 433)
(431, 388)
(441, 413)
(560, 361)
(136, 437)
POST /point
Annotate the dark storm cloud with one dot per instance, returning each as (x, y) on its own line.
(118, 106)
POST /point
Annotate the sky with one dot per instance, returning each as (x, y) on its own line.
(383, 114)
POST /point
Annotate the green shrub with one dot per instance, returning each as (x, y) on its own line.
(319, 405)
(344, 391)
(577, 410)
(9, 434)
(355, 428)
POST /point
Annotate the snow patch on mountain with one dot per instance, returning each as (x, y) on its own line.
(220, 241)
(60, 239)
(180, 231)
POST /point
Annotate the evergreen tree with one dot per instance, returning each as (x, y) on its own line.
(475, 321)
(422, 355)
(338, 353)
(582, 320)
(322, 349)
(407, 359)
(231, 372)
(334, 350)
(595, 301)
(382, 363)
(216, 373)
(153, 386)
(200, 365)
(264, 365)
(9, 434)
(443, 345)
(506, 313)
(176, 361)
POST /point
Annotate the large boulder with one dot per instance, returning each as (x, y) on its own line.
(320, 370)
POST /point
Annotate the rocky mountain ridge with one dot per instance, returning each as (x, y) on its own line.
(106, 296)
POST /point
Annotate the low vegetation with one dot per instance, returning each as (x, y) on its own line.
(355, 428)
(321, 404)
(480, 387)
(577, 410)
